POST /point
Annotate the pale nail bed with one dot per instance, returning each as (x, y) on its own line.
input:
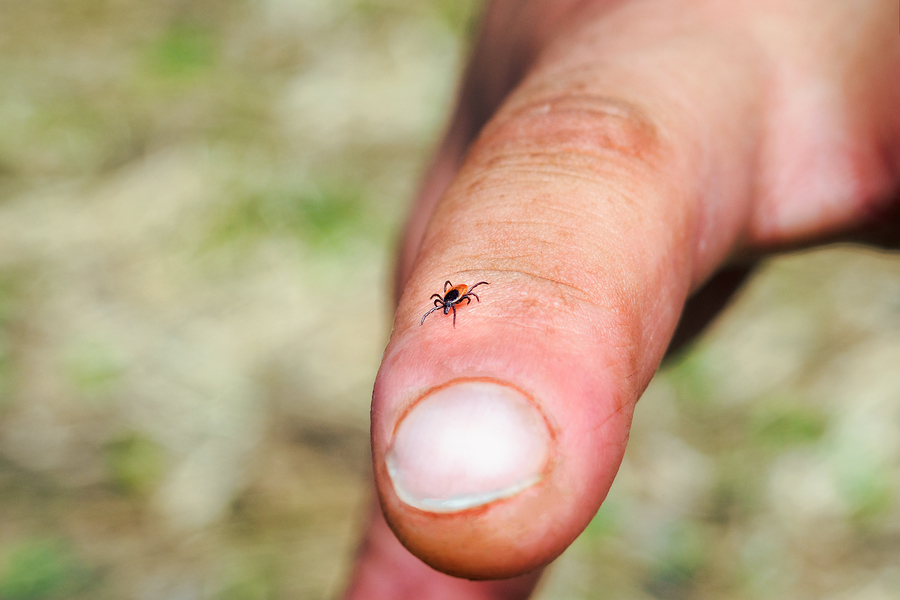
(468, 444)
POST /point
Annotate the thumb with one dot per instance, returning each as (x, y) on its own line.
(589, 212)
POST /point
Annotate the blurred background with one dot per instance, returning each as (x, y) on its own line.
(199, 205)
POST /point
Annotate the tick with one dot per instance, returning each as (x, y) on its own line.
(452, 297)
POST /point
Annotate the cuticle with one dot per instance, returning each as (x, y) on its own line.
(473, 379)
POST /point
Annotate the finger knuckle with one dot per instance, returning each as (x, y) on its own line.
(581, 133)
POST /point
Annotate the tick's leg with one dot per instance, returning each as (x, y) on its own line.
(446, 284)
(454, 315)
(476, 296)
(436, 296)
(467, 299)
(477, 284)
(438, 301)
(428, 313)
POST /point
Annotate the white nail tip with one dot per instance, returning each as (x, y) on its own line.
(466, 445)
(455, 503)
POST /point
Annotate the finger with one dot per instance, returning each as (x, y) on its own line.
(598, 198)
(385, 570)
(495, 443)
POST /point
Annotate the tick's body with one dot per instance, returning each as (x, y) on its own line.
(452, 297)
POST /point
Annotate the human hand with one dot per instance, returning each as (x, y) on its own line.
(632, 151)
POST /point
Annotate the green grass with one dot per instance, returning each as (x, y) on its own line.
(868, 491)
(93, 366)
(250, 583)
(316, 215)
(10, 301)
(135, 463)
(691, 374)
(677, 565)
(780, 424)
(42, 569)
(605, 523)
(184, 50)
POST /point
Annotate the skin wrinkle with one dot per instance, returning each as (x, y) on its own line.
(573, 163)
(603, 124)
(569, 213)
(597, 208)
(603, 422)
(544, 329)
(542, 223)
(546, 224)
(547, 263)
(528, 155)
(517, 258)
(581, 296)
(547, 235)
(585, 286)
(539, 205)
(583, 142)
(616, 177)
(582, 133)
(506, 243)
(488, 179)
(541, 168)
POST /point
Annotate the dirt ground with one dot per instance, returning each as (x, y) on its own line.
(199, 204)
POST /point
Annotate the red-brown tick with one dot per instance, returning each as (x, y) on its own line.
(452, 297)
